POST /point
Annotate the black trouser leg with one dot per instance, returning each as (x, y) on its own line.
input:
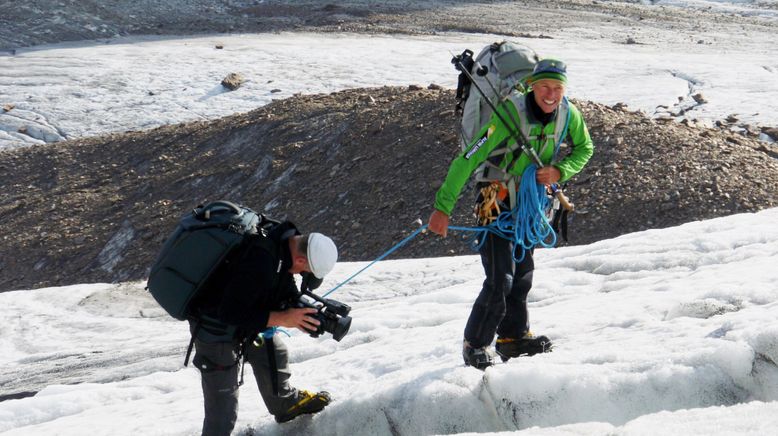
(502, 303)
(286, 397)
(516, 321)
(490, 306)
(220, 386)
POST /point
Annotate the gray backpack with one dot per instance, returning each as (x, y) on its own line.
(200, 243)
(498, 69)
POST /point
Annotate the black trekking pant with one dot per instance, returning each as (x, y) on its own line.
(501, 307)
(220, 369)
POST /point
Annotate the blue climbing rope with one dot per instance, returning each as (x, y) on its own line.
(381, 257)
(525, 225)
(271, 331)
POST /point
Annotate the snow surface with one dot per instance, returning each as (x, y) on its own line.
(84, 89)
(763, 8)
(672, 331)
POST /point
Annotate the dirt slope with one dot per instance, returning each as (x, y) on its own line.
(361, 165)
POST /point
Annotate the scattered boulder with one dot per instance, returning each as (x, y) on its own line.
(232, 81)
(367, 98)
(772, 132)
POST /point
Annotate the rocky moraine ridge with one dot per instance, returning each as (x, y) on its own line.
(361, 165)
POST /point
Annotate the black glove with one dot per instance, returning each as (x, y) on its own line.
(310, 282)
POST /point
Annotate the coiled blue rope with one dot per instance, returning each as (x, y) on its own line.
(525, 225)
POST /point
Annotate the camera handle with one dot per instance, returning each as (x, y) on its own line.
(308, 293)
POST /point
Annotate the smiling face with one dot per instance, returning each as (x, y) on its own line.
(548, 94)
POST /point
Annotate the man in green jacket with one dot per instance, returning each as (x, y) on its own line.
(545, 117)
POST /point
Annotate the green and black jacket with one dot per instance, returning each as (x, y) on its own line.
(494, 142)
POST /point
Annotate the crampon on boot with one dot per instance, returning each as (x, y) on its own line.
(528, 345)
(308, 403)
(480, 358)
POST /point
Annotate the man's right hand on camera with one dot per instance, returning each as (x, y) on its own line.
(299, 318)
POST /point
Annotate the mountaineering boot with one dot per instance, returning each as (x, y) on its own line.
(480, 358)
(528, 345)
(308, 403)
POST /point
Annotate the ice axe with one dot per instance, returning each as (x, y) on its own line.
(517, 135)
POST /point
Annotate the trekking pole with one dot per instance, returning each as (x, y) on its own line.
(517, 136)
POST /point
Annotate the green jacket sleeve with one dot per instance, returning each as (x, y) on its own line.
(583, 148)
(463, 166)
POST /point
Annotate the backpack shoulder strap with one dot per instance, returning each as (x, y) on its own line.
(562, 123)
(265, 243)
(520, 102)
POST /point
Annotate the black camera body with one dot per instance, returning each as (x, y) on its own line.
(332, 315)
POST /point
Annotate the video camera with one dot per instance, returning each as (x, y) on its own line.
(332, 315)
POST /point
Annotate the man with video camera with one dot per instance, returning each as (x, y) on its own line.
(252, 292)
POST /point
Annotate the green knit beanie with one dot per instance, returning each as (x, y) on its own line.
(552, 69)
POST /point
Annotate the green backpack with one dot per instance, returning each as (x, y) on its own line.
(202, 240)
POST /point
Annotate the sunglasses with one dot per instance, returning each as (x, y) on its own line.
(550, 66)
